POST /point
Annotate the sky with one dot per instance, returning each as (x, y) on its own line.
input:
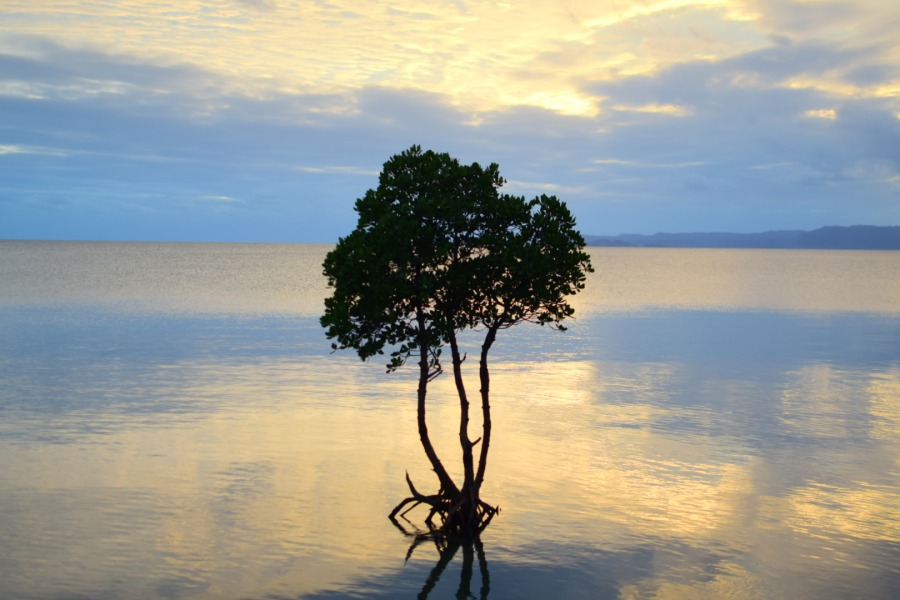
(264, 120)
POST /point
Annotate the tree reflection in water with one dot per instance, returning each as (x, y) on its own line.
(447, 547)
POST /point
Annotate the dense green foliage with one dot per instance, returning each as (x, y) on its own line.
(438, 249)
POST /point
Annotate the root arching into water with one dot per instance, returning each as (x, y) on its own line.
(456, 514)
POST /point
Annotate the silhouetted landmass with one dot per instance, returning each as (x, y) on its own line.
(856, 237)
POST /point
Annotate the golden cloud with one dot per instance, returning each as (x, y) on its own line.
(485, 56)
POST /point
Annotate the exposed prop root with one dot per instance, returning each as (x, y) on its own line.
(460, 515)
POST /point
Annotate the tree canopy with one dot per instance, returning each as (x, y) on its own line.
(438, 249)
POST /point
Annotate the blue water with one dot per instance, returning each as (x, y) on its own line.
(715, 423)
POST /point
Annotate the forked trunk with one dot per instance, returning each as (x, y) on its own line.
(460, 509)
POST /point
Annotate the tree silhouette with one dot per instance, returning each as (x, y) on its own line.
(438, 250)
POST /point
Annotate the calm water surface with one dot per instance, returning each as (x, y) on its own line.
(715, 424)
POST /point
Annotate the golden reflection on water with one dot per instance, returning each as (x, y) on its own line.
(606, 463)
(824, 402)
(730, 581)
(863, 512)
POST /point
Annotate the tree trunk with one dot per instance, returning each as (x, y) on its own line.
(460, 509)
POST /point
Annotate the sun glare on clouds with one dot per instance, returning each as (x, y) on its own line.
(478, 56)
(481, 56)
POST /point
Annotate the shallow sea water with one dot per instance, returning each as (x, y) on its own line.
(714, 424)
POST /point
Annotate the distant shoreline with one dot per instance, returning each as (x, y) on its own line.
(855, 237)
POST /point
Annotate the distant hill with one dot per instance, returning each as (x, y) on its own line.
(856, 237)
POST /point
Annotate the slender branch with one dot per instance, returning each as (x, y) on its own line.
(485, 376)
(464, 441)
(446, 482)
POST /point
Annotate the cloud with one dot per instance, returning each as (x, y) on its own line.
(483, 55)
(618, 162)
(341, 170)
(259, 4)
(664, 109)
(821, 113)
(410, 14)
(225, 199)
(18, 149)
(860, 21)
